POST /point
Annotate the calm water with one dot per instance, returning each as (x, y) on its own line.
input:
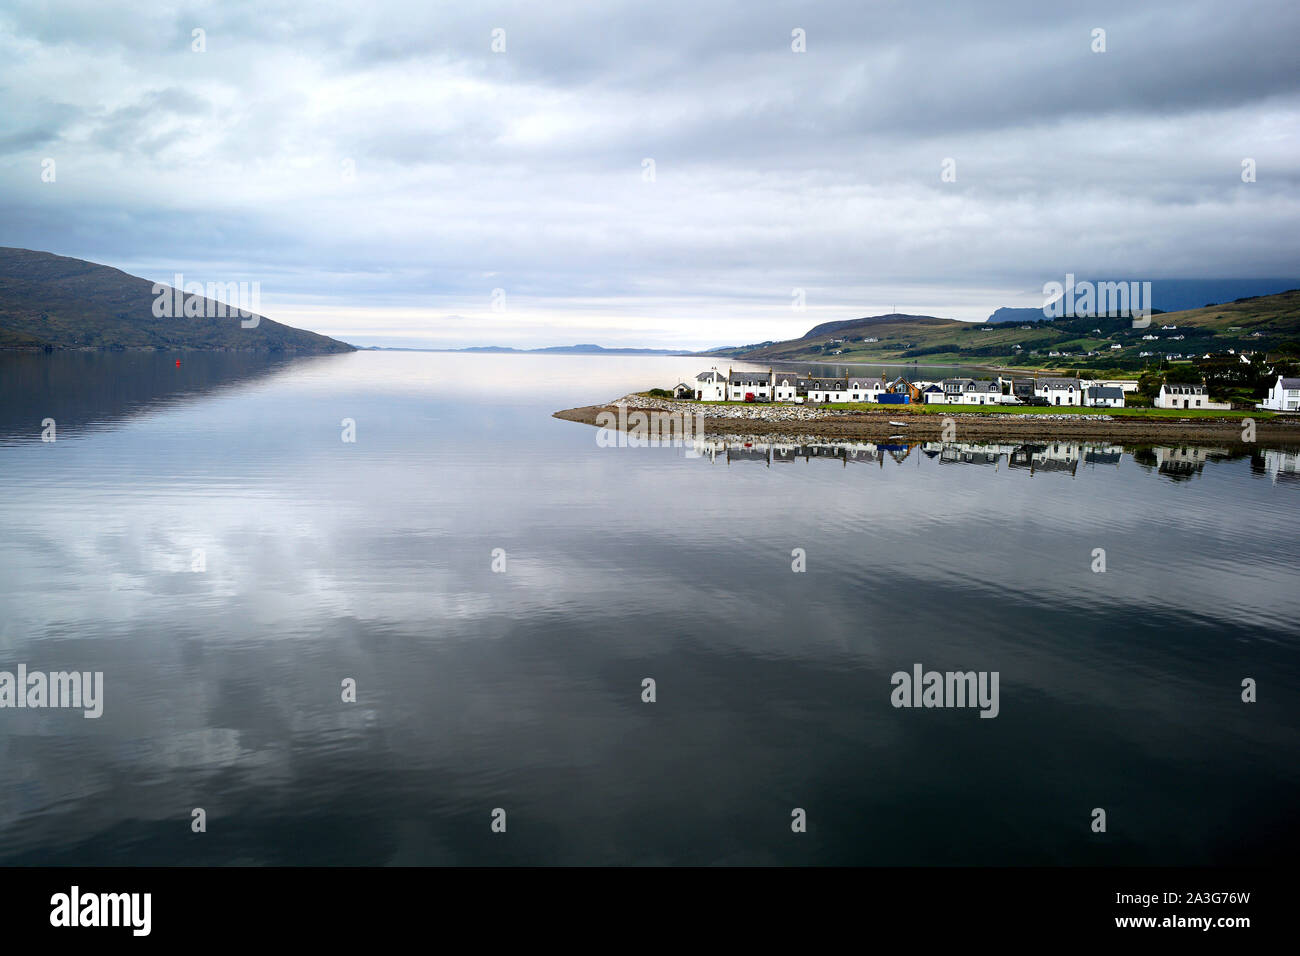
(372, 560)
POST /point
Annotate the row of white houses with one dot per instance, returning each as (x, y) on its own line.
(772, 386)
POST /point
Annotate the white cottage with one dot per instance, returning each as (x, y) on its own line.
(749, 386)
(711, 386)
(827, 389)
(866, 389)
(1187, 397)
(1104, 396)
(1059, 391)
(1284, 396)
(969, 391)
(785, 387)
(984, 392)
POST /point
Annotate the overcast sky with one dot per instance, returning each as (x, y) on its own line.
(380, 170)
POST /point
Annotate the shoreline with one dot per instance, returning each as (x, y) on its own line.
(846, 425)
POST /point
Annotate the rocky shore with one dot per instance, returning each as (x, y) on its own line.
(835, 424)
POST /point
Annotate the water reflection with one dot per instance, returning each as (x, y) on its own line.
(324, 559)
(1277, 464)
(1176, 462)
(90, 391)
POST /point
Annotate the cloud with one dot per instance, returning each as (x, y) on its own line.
(382, 157)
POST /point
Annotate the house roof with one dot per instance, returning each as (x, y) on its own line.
(710, 376)
(870, 383)
(970, 385)
(1182, 389)
(750, 378)
(1105, 391)
(1291, 382)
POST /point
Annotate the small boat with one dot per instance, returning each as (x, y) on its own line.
(899, 424)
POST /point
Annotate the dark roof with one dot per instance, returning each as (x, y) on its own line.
(1105, 391)
(1291, 383)
(1102, 457)
(751, 378)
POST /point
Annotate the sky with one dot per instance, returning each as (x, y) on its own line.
(668, 174)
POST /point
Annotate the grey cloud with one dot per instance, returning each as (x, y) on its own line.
(773, 169)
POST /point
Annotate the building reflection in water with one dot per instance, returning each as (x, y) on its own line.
(1177, 463)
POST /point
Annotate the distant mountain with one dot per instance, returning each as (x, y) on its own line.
(54, 302)
(1176, 295)
(851, 325)
(892, 331)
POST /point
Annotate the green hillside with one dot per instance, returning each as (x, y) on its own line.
(49, 301)
(1260, 324)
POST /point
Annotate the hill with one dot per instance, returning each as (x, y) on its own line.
(54, 302)
(892, 334)
(1255, 324)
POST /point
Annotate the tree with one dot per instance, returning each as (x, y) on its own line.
(1149, 384)
(1183, 375)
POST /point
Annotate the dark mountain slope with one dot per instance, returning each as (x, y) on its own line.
(56, 302)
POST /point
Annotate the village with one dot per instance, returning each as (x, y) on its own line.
(752, 385)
